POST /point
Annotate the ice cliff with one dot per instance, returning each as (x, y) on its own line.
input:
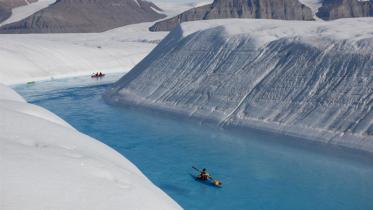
(47, 164)
(308, 79)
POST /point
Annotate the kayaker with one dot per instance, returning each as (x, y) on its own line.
(204, 175)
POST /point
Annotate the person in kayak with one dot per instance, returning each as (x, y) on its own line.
(204, 175)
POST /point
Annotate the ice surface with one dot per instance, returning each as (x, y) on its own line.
(46, 164)
(308, 79)
(32, 57)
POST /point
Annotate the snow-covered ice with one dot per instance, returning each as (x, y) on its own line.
(29, 57)
(307, 79)
(47, 164)
(172, 8)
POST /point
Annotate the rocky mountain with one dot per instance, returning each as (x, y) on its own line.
(72, 16)
(5, 12)
(16, 3)
(334, 9)
(221, 9)
(6, 7)
(311, 80)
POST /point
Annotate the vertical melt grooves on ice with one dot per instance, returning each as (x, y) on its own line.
(324, 89)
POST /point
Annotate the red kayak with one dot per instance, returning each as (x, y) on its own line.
(98, 76)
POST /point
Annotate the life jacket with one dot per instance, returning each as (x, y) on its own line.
(204, 175)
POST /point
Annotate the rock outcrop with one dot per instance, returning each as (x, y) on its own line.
(71, 16)
(313, 80)
(222, 9)
(335, 9)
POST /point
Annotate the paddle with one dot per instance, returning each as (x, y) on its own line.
(216, 182)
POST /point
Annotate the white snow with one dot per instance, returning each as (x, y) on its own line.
(29, 57)
(172, 8)
(263, 31)
(314, 5)
(46, 164)
(9, 94)
(308, 79)
(201, 3)
(24, 11)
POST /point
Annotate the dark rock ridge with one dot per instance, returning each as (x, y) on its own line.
(80, 16)
(221, 9)
(335, 9)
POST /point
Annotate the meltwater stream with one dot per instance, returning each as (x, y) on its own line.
(257, 172)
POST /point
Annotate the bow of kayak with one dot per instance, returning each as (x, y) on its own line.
(212, 183)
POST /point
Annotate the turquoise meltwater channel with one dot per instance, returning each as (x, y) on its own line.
(259, 171)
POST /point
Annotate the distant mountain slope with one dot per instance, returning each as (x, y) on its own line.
(5, 12)
(24, 11)
(221, 9)
(309, 79)
(334, 9)
(6, 7)
(72, 16)
(16, 3)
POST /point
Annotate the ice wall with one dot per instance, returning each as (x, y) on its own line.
(313, 80)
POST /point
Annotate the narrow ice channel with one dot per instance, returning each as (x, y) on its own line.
(257, 171)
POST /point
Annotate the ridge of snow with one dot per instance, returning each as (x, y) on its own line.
(47, 164)
(263, 31)
(27, 10)
(157, 10)
(201, 3)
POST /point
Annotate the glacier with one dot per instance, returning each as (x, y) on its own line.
(312, 80)
(47, 164)
(31, 57)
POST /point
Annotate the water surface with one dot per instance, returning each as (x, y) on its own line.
(257, 174)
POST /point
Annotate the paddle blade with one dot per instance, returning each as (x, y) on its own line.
(217, 183)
